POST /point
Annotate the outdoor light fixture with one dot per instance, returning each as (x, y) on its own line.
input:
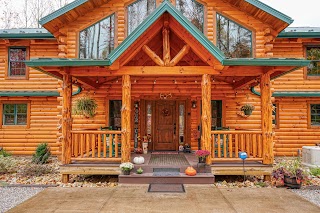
(194, 104)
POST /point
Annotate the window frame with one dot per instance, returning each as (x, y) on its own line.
(115, 39)
(306, 76)
(27, 125)
(8, 71)
(309, 115)
(109, 112)
(276, 116)
(252, 49)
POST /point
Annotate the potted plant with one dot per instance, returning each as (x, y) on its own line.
(289, 173)
(85, 106)
(126, 168)
(247, 109)
(202, 155)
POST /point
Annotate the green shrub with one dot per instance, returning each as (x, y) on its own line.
(315, 171)
(4, 153)
(42, 154)
(7, 165)
(35, 170)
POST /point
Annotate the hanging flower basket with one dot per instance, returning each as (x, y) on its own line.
(247, 109)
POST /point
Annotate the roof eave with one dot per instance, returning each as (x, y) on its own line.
(265, 62)
(299, 35)
(27, 36)
(66, 62)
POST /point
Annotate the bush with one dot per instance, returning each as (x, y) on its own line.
(42, 154)
(7, 165)
(35, 170)
(315, 171)
(4, 153)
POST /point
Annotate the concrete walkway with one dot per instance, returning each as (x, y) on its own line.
(136, 199)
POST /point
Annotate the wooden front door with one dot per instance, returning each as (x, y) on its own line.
(165, 126)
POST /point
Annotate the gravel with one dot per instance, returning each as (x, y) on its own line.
(13, 196)
(312, 195)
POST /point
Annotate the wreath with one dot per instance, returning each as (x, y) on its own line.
(165, 112)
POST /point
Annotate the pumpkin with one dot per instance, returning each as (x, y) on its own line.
(190, 171)
(138, 160)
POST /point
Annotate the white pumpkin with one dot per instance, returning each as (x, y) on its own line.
(138, 160)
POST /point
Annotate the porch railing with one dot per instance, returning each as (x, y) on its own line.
(226, 145)
(96, 145)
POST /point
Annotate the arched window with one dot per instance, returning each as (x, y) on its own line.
(193, 11)
(138, 12)
(232, 39)
(97, 41)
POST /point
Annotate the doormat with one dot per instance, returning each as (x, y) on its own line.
(164, 153)
(166, 160)
(166, 171)
(166, 187)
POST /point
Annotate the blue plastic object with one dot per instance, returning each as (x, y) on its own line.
(243, 155)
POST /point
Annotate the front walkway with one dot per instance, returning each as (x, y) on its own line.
(198, 198)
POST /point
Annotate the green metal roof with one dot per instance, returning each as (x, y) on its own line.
(64, 62)
(270, 10)
(265, 62)
(28, 33)
(290, 94)
(300, 32)
(61, 11)
(29, 93)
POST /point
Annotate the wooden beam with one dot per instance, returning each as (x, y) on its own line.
(206, 116)
(126, 119)
(87, 82)
(145, 71)
(166, 40)
(155, 58)
(66, 122)
(184, 51)
(266, 119)
(242, 71)
(244, 82)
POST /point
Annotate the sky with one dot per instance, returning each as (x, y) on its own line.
(304, 13)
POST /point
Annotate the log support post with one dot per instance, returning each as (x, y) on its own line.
(206, 115)
(266, 119)
(126, 119)
(66, 122)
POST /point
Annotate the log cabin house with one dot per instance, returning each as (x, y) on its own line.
(177, 70)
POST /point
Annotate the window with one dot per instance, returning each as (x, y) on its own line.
(315, 114)
(15, 114)
(313, 54)
(115, 114)
(193, 11)
(97, 41)
(138, 12)
(275, 115)
(232, 39)
(17, 56)
(216, 113)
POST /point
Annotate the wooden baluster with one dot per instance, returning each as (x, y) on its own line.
(230, 145)
(110, 145)
(260, 146)
(219, 146)
(224, 145)
(254, 145)
(82, 144)
(75, 145)
(248, 144)
(87, 145)
(236, 145)
(242, 142)
(93, 143)
(116, 144)
(213, 146)
(99, 145)
(104, 145)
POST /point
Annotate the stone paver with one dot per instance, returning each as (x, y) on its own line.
(135, 198)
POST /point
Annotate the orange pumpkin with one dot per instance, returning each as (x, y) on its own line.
(190, 171)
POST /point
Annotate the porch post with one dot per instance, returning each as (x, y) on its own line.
(206, 115)
(266, 119)
(66, 122)
(126, 119)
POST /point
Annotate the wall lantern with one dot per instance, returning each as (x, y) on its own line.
(194, 104)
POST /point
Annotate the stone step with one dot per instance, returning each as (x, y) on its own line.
(147, 178)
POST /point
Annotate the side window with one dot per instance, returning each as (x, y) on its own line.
(115, 114)
(138, 11)
(193, 10)
(17, 57)
(15, 114)
(314, 115)
(97, 41)
(232, 39)
(313, 54)
(216, 113)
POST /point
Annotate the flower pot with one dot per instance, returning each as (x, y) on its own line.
(247, 112)
(292, 182)
(145, 148)
(202, 159)
(126, 172)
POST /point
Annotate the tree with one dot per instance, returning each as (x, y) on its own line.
(9, 18)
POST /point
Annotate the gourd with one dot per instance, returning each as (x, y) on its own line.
(190, 171)
(138, 160)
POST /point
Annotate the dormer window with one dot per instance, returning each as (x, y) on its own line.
(97, 41)
(233, 40)
(193, 11)
(138, 12)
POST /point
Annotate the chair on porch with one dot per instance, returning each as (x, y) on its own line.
(220, 143)
(108, 142)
